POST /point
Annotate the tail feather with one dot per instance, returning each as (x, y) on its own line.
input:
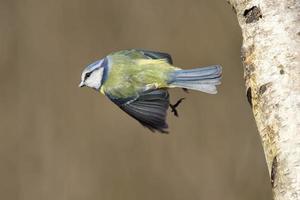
(202, 79)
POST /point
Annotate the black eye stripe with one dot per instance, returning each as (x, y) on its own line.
(87, 75)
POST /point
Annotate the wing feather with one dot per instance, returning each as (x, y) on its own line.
(156, 55)
(149, 108)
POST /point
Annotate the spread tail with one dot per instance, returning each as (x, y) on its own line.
(202, 79)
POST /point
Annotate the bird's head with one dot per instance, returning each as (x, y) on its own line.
(92, 75)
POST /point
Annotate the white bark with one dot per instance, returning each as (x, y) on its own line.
(271, 58)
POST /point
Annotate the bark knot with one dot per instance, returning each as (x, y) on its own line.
(252, 14)
(262, 89)
(249, 96)
(281, 70)
(274, 171)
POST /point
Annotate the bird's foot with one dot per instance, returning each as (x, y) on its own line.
(174, 106)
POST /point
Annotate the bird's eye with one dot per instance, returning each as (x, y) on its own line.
(87, 75)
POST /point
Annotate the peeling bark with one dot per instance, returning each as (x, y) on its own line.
(271, 59)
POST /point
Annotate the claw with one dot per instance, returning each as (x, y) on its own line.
(174, 106)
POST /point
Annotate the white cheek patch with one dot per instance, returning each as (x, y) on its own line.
(94, 81)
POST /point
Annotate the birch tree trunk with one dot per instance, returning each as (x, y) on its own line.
(271, 59)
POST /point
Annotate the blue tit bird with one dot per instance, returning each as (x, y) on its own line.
(138, 81)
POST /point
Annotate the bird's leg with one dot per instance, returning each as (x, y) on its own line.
(174, 106)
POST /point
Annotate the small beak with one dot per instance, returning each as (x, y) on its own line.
(81, 84)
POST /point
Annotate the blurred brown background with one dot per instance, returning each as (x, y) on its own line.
(61, 142)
